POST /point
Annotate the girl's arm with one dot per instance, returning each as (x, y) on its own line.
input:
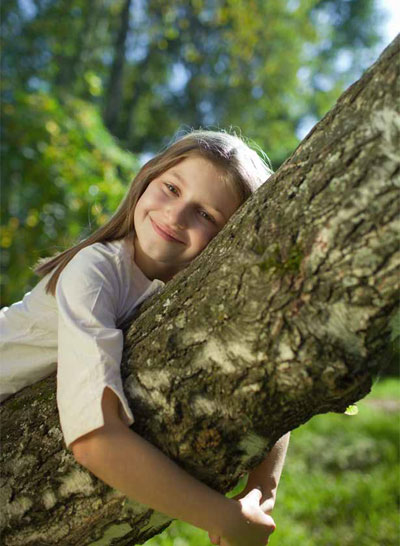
(131, 464)
(263, 479)
(267, 474)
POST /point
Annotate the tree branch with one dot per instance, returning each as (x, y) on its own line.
(283, 316)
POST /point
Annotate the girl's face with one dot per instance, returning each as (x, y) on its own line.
(178, 214)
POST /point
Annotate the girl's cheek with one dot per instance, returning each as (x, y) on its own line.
(207, 238)
(160, 197)
(155, 199)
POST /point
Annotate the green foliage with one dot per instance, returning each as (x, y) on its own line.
(62, 177)
(264, 68)
(351, 410)
(340, 484)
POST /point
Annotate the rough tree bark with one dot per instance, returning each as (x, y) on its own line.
(285, 315)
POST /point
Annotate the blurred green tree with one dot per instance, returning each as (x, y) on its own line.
(62, 176)
(271, 68)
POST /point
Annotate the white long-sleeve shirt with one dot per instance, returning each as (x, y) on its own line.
(76, 332)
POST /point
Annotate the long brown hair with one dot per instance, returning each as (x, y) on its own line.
(242, 166)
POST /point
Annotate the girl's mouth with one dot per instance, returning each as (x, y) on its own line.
(163, 234)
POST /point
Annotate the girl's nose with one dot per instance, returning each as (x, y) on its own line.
(176, 215)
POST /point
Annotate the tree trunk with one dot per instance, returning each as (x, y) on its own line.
(114, 91)
(285, 315)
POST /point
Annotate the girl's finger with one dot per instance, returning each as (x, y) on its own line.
(255, 494)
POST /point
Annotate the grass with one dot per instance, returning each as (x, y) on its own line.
(341, 481)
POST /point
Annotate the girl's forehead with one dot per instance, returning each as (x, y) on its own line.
(195, 168)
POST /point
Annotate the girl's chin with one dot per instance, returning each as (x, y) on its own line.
(167, 260)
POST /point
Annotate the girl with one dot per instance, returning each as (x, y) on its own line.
(175, 205)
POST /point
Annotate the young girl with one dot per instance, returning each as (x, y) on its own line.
(175, 205)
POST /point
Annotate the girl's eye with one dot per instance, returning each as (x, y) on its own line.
(207, 216)
(169, 186)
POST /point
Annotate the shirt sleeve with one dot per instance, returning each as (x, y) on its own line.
(89, 344)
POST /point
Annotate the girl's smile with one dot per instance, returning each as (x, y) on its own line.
(165, 233)
(178, 214)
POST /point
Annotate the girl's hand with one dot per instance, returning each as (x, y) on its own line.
(253, 529)
(267, 505)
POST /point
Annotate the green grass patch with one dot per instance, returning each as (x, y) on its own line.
(341, 481)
